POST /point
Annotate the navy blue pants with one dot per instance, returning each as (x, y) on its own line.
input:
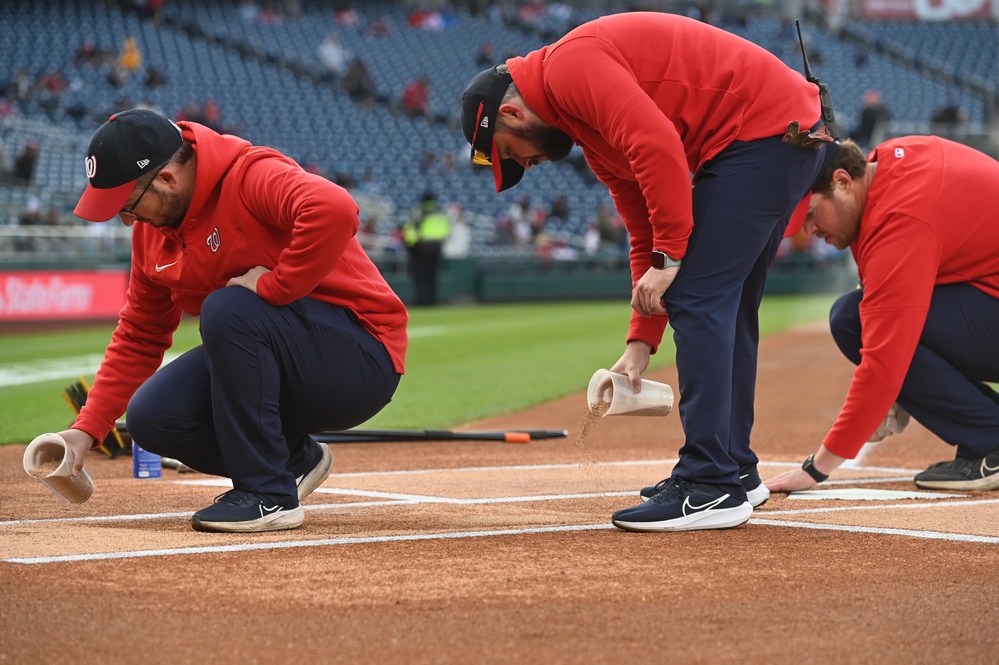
(945, 388)
(743, 200)
(243, 403)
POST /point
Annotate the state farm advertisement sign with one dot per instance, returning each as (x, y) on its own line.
(928, 10)
(61, 294)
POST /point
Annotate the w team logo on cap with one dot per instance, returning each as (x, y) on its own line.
(91, 167)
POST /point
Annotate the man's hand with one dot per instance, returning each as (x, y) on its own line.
(646, 298)
(80, 443)
(798, 480)
(249, 280)
(634, 361)
(791, 481)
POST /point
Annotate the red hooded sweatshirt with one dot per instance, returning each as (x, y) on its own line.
(251, 206)
(650, 98)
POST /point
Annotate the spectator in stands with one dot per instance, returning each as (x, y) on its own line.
(948, 118)
(347, 16)
(4, 166)
(271, 13)
(459, 240)
(415, 99)
(248, 11)
(875, 120)
(424, 236)
(333, 56)
(652, 121)
(378, 27)
(610, 226)
(155, 78)
(21, 86)
(130, 58)
(24, 165)
(369, 183)
(591, 240)
(919, 215)
(486, 55)
(287, 299)
(358, 84)
(560, 208)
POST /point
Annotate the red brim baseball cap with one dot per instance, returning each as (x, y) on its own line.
(479, 110)
(798, 216)
(127, 146)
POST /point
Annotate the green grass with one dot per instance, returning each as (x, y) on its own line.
(464, 363)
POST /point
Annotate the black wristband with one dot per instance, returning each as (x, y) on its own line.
(810, 469)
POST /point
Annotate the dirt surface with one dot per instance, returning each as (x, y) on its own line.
(488, 552)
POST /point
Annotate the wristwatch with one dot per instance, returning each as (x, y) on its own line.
(810, 469)
(660, 261)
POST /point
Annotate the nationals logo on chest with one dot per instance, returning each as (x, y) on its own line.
(214, 240)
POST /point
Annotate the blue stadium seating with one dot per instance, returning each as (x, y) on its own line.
(268, 82)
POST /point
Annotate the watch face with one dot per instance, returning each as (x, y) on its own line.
(658, 260)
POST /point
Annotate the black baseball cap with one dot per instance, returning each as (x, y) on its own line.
(479, 109)
(127, 146)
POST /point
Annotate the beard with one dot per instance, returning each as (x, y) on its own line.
(552, 143)
(174, 210)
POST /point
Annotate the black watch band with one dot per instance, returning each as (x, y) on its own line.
(810, 469)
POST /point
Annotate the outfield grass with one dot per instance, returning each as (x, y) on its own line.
(464, 363)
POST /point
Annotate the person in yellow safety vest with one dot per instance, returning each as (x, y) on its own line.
(424, 236)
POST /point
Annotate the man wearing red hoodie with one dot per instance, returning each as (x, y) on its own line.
(920, 216)
(300, 331)
(658, 103)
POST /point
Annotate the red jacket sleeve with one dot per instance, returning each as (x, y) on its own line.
(322, 217)
(144, 333)
(898, 264)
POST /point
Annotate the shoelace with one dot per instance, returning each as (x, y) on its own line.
(673, 488)
(233, 496)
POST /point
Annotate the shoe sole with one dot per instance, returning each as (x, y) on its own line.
(987, 483)
(725, 518)
(756, 497)
(308, 483)
(284, 519)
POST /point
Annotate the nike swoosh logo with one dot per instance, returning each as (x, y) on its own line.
(264, 510)
(986, 467)
(707, 506)
(160, 268)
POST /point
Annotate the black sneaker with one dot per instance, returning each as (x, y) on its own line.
(962, 474)
(756, 491)
(308, 482)
(246, 512)
(684, 506)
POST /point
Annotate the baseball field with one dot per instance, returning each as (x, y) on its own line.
(492, 552)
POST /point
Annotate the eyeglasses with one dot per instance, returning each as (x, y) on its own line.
(478, 156)
(131, 211)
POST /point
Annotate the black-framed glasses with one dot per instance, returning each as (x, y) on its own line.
(131, 211)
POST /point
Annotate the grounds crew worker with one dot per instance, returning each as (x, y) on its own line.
(921, 217)
(300, 331)
(424, 237)
(653, 99)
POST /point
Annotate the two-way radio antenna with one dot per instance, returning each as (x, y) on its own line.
(825, 101)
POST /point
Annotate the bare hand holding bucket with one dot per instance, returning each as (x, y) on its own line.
(57, 461)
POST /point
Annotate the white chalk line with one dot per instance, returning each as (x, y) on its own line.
(932, 535)
(393, 498)
(326, 542)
